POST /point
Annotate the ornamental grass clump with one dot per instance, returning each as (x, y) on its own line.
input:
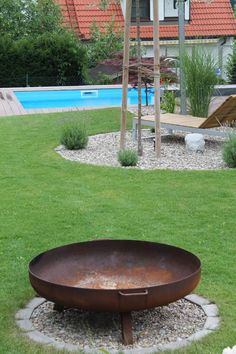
(128, 157)
(200, 79)
(168, 102)
(229, 151)
(74, 135)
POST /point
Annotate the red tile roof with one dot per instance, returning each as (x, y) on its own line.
(81, 14)
(207, 19)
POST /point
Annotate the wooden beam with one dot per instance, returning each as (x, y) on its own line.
(139, 63)
(156, 49)
(125, 77)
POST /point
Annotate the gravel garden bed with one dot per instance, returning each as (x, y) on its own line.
(151, 328)
(102, 149)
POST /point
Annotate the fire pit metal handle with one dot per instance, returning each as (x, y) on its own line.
(144, 293)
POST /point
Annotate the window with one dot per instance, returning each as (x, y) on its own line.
(144, 10)
(171, 10)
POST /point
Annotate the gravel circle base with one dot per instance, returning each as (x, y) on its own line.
(154, 327)
(162, 328)
(102, 150)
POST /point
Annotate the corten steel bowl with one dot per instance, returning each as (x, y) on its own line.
(115, 275)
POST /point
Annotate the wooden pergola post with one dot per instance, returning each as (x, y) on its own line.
(156, 50)
(139, 64)
(125, 77)
(181, 15)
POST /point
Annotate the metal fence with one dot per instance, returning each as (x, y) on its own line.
(34, 81)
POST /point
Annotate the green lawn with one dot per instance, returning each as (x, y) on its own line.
(47, 201)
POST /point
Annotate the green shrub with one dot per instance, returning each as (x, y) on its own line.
(128, 157)
(229, 151)
(74, 136)
(200, 79)
(168, 102)
(49, 59)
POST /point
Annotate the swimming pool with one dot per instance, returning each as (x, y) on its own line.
(106, 97)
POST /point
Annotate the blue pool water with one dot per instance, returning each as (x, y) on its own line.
(79, 98)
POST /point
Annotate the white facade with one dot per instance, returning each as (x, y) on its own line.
(168, 9)
(219, 49)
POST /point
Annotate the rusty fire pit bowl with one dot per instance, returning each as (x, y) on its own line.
(115, 275)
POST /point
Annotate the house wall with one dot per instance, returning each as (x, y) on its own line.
(219, 50)
(166, 9)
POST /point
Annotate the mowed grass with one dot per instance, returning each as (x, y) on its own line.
(47, 201)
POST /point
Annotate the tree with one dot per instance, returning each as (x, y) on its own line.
(139, 67)
(20, 18)
(114, 66)
(103, 44)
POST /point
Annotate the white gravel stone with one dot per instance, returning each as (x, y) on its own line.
(102, 150)
(229, 350)
(195, 142)
(93, 330)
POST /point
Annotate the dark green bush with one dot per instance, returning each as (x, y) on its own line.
(128, 157)
(74, 136)
(47, 60)
(229, 151)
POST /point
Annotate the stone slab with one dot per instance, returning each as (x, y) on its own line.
(35, 302)
(199, 335)
(210, 310)
(196, 299)
(174, 345)
(153, 350)
(57, 345)
(39, 337)
(24, 314)
(25, 325)
(212, 323)
(72, 348)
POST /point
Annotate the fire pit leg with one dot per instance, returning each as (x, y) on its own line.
(57, 307)
(126, 323)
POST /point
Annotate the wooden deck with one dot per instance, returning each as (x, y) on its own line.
(9, 104)
(223, 111)
(177, 119)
